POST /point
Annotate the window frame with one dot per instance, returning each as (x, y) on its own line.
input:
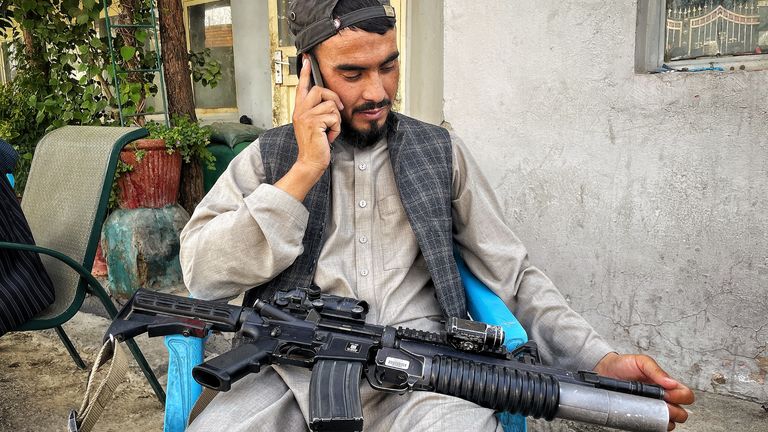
(3, 78)
(6, 37)
(651, 38)
(203, 112)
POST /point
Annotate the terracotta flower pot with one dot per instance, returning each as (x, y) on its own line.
(154, 180)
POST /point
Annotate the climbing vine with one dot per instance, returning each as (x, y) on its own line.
(64, 73)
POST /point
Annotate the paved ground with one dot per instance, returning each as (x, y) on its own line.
(39, 384)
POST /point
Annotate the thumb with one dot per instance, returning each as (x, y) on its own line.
(655, 373)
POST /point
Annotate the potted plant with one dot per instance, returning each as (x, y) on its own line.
(149, 170)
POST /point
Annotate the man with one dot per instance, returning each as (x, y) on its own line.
(366, 203)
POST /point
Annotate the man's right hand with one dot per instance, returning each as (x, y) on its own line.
(316, 123)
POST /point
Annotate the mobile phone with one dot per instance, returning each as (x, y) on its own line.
(315, 78)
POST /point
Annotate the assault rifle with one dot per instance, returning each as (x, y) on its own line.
(328, 334)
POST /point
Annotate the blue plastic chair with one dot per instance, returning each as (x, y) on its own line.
(186, 352)
(182, 391)
(483, 305)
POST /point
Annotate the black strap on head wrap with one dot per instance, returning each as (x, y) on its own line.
(326, 27)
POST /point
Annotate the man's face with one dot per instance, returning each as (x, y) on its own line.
(363, 69)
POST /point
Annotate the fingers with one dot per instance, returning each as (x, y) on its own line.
(318, 102)
(325, 107)
(330, 124)
(325, 116)
(654, 372)
(316, 96)
(308, 96)
(303, 88)
(675, 393)
(334, 129)
(677, 414)
(679, 395)
(645, 369)
(316, 119)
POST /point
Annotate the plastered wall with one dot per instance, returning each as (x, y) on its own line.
(250, 24)
(644, 197)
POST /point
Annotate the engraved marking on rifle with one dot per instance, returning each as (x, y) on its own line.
(353, 347)
(397, 363)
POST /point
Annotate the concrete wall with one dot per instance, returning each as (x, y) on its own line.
(250, 25)
(424, 83)
(644, 197)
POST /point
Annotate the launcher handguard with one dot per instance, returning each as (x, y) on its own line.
(328, 334)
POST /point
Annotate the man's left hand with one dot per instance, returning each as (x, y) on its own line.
(642, 368)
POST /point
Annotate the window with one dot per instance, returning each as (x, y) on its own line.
(7, 71)
(210, 26)
(691, 35)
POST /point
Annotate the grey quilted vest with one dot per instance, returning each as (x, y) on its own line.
(421, 156)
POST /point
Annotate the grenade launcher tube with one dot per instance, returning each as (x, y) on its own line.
(542, 395)
(612, 409)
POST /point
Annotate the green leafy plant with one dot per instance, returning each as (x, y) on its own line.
(50, 40)
(187, 137)
(122, 168)
(205, 69)
(17, 129)
(65, 75)
(53, 50)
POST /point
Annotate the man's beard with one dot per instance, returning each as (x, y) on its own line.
(365, 139)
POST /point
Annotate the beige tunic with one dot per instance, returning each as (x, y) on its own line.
(245, 232)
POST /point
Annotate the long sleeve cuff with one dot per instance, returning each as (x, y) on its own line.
(277, 212)
(597, 350)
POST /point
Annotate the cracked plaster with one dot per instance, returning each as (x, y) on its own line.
(642, 196)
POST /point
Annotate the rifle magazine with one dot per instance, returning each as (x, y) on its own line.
(334, 396)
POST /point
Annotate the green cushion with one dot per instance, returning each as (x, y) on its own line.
(232, 134)
(224, 156)
(240, 147)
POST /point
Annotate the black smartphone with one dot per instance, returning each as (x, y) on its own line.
(315, 78)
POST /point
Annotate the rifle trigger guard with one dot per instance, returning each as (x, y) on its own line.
(375, 382)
